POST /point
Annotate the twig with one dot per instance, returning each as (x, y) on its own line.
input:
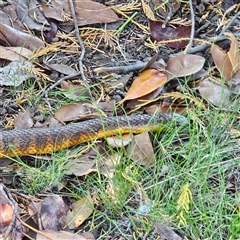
(169, 15)
(81, 71)
(82, 49)
(203, 46)
(230, 23)
(218, 39)
(55, 85)
(122, 69)
(33, 229)
(192, 27)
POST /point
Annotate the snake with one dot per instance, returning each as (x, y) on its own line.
(34, 141)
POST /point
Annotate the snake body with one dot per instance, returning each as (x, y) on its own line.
(46, 140)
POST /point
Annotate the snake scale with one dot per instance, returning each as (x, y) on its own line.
(46, 140)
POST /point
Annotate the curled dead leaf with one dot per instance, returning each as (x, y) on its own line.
(140, 149)
(87, 12)
(81, 210)
(53, 213)
(74, 111)
(159, 33)
(184, 65)
(233, 52)
(228, 63)
(15, 53)
(145, 83)
(59, 235)
(217, 94)
(222, 62)
(20, 39)
(23, 121)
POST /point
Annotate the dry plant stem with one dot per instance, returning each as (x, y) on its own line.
(27, 236)
(169, 15)
(230, 23)
(82, 49)
(122, 69)
(35, 208)
(40, 227)
(33, 229)
(55, 85)
(203, 46)
(192, 27)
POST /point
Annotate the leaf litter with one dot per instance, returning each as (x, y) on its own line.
(161, 84)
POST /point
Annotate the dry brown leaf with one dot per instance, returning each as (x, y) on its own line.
(52, 12)
(33, 209)
(81, 167)
(166, 232)
(222, 62)
(141, 150)
(108, 107)
(81, 210)
(145, 83)
(135, 103)
(64, 69)
(233, 53)
(23, 121)
(53, 213)
(20, 39)
(119, 141)
(228, 63)
(15, 73)
(184, 65)
(52, 235)
(74, 91)
(166, 109)
(107, 164)
(90, 12)
(234, 83)
(15, 53)
(71, 112)
(4, 18)
(161, 33)
(85, 163)
(6, 211)
(6, 214)
(10, 10)
(87, 12)
(216, 94)
(34, 19)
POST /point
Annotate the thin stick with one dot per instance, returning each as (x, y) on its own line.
(230, 23)
(33, 229)
(169, 15)
(82, 49)
(217, 39)
(192, 27)
(55, 85)
(122, 69)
